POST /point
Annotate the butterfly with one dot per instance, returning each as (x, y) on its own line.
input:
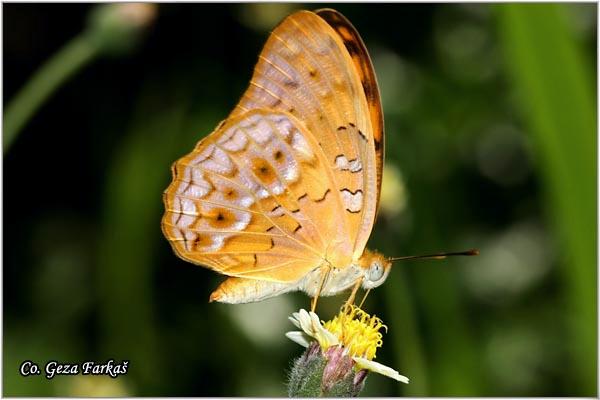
(283, 194)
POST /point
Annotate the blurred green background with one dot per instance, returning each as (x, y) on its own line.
(491, 143)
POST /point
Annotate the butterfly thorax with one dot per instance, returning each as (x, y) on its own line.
(372, 268)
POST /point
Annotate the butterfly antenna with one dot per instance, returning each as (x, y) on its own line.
(438, 256)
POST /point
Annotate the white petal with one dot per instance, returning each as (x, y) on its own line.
(295, 322)
(305, 321)
(311, 325)
(323, 336)
(331, 339)
(315, 323)
(298, 337)
(363, 363)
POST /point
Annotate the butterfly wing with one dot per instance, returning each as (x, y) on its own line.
(316, 68)
(291, 179)
(253, 200)
(364, 67)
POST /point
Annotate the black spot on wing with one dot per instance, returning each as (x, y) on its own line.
(199, 241)
(353, 126)
(362, 135)
(277, 211)
(370, 91)
(303, 196)
(324, 196)
(351, 192)
(378, 145)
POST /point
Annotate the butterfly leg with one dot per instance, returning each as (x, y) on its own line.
(353, 293)
(313, 302)
(364, 298)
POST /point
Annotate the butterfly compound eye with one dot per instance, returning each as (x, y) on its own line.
(375, 271)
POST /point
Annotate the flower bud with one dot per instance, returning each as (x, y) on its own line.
(117, 28)
(328, 374)
(305, 376)
(339, 378)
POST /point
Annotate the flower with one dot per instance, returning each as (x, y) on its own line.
(352, 332)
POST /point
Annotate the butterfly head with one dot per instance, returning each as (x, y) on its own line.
(376, 268)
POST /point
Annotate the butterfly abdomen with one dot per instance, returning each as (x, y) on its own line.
(240, 290)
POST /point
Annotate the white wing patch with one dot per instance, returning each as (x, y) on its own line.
(233, 140)
(352, 201)
(343, 164)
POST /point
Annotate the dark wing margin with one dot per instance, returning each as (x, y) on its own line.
(364, 67)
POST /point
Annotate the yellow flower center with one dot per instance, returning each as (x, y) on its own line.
(357, 331)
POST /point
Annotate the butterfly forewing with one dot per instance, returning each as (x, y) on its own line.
(305, 69)
(364, 67)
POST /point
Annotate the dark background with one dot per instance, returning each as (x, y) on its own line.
(491, 143)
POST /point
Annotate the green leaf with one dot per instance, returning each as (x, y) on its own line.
(556, 91)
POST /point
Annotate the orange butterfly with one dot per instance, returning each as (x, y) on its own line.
(283, 195)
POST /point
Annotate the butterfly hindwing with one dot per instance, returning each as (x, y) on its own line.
(249, 200)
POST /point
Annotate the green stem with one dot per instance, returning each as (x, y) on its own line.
(51, 75)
